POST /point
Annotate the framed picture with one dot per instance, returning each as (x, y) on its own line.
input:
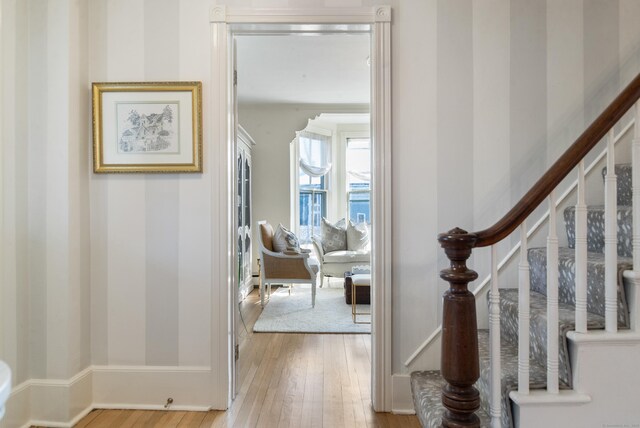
(147, 127)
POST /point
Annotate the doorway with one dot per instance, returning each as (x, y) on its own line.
(226, 25)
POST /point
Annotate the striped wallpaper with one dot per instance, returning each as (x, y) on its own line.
(151, 279)
(486, 94)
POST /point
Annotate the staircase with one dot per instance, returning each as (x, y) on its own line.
(542, 362)
(426, 385)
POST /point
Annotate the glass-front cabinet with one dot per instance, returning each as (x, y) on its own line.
(243, 205)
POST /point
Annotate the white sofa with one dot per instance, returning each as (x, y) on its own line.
(336, 263)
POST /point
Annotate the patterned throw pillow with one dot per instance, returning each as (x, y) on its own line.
(333, 238)
(357, 236)
(285, 240)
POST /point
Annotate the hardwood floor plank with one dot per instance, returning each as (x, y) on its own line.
(106, 419)
(272, 374)
(88, 419)
(284, 380)
(134, 418)
(192, 419)
(293, 391)
(215, 418)
(332, 412)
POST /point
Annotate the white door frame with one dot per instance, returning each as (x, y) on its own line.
(222, 18)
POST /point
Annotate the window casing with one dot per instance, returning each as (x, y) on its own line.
(358, 179)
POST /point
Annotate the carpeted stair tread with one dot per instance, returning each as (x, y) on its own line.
(426, 387)
(566, 285)
(538, 328)
(595, 229)
(623, 175)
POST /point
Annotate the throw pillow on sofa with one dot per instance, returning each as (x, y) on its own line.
(285, 240)
(334, 238)
(357, 236)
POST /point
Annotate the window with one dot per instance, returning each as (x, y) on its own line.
(313, 206)
(358, 165)
(330, 174)
(314, 164)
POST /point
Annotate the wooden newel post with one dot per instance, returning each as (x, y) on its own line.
(460, 364)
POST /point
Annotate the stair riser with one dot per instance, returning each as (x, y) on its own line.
(595, 230)
(566, 281)
(623, 175)
(537, 335)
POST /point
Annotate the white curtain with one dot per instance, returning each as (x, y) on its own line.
(360, 175)
(315, 153)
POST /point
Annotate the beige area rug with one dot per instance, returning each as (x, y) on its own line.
(293, 313)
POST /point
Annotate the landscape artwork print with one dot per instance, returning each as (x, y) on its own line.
(147, 127)
(141, 127)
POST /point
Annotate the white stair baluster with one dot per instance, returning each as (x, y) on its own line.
(552, 299)
(581, 254)
(494, 339)
(610, 240)
(635, 175)
(523, 313)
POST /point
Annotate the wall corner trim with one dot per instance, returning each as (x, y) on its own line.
(402, 400)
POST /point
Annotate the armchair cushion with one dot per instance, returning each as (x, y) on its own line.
(334, 238)
(346, 256)
(266, 234)
(357, 236)
(285, 240)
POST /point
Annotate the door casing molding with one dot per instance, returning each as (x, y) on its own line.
(227, 22)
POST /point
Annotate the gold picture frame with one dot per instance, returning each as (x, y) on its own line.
(147, 127)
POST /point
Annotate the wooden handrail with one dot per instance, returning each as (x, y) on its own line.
(562, 167)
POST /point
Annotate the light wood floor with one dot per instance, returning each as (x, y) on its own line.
(284, 380)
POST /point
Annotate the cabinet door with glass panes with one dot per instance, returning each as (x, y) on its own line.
(243, 205)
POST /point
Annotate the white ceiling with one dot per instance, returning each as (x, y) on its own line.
(305, 69)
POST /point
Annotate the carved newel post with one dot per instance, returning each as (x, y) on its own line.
(460, 364)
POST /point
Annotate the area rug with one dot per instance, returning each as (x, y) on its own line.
(293, 313)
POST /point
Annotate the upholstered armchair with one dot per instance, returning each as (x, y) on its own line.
(287, 267)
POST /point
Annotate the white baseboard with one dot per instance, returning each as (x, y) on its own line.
(62, 403)
(18, 407)
(401, 399)
(50, 402)
(147, 387)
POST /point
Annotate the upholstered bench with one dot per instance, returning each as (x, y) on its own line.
(357, 282)
(363, 292)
